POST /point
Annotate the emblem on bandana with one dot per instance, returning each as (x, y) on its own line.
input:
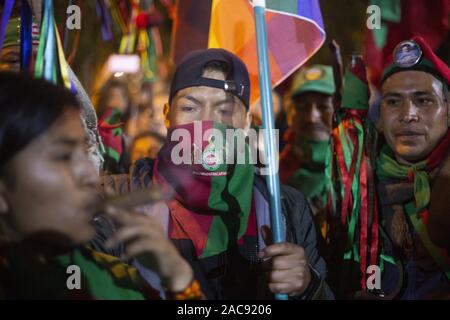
(313, 74)
(212, 157)
(407, 54)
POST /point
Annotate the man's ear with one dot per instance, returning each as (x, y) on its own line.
(378, 121)
(448, 112)
(4, 205)
(248, 122)
(290, 113)
(378, 125)
(166, 115)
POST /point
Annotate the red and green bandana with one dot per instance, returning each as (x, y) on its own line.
(110, 129)
(213, 204)
(352, 193)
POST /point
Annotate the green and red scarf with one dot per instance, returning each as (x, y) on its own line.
(213, 203)
(417, 210)
(110, 130)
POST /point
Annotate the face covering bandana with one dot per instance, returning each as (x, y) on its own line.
(211, 178)
(310, 178)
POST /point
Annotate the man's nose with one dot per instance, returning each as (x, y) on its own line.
(409, 112)
(87, 174)
(313, 113)
(209, 115)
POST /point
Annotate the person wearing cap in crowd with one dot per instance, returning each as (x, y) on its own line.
(113, 108)
(414, 146)
(309, 117)
(414, 120)
(10, 53)
(219, 215)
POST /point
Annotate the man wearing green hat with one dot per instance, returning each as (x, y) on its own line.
(414, 119)
(10, 53)
(309, 117)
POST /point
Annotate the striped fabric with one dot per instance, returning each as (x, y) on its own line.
(295, 32)
(294, 28)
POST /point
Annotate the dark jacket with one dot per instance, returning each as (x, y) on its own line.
(415, 274)
(219, 275)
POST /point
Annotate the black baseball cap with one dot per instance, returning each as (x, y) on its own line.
(189, 74)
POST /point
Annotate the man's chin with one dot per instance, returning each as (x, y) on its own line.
(410, 154)
(318, 136)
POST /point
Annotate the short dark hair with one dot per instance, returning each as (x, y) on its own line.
(28, 107)
(219, 66)
(445, 91)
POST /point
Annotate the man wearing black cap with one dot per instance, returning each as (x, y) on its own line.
(219, 216)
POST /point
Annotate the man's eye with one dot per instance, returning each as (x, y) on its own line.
(10, 58)
(324, 107)
(187, 108)
(224, 112)
(64, 157)
(393, 102)
(424, 101)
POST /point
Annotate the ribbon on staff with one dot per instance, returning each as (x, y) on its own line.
(6, 14)
(26, 41)
(51, 64)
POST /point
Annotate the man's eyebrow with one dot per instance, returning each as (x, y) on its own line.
(68, 141)
(420, 93)
(190, 98)
(223, 101)
(10, 54)
(391, 94)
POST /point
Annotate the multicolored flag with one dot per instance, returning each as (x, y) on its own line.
(295, 31)
(190, 27)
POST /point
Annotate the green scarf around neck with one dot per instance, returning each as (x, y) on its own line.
(310, 178)
(387, 167)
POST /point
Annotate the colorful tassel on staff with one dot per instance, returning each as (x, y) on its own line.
(352, 196)
(51, 63)
(26, 41)
(6, 14)
(140, 39)
(104, 15)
